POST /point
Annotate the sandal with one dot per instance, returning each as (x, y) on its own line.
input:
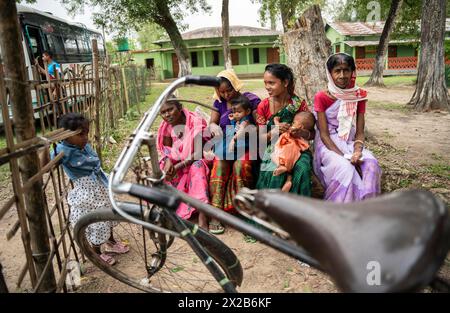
(108, 259)
(117, 247)
(216, 228)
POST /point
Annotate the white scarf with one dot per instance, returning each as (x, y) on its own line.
(349, 102)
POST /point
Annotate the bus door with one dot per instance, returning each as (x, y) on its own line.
(36, 45)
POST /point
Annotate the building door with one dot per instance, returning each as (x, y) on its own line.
(235, 56)
(273, 55)
(392, 51)
(175, 65)
(360, 52)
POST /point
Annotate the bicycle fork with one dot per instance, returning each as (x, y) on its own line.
(201, 252)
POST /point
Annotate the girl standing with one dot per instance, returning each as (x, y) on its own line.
(82, 165)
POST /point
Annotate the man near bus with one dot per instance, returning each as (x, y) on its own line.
(54, 68)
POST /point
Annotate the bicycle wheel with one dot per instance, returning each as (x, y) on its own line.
(169, 266)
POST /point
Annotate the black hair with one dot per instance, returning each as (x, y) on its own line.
(340, 58)
(224, 80)
(311, 119)
(49, 53)
(174, 101)
(73, 121)
(243, 101)
(282, 72)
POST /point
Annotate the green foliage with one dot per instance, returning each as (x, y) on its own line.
(287, 10)
(121, 16)
(407, 24)
(148, 34)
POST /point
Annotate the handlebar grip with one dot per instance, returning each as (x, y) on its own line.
(155, 195)
(202, 80)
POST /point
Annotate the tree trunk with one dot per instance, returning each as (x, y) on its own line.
(307, 49)
(431, 90)
(226, 35)
(376, 79)
(20, 95)
(166, 21)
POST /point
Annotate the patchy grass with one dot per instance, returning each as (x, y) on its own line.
(389, 106)
(400, 173)
(440, 170)
(390, 80)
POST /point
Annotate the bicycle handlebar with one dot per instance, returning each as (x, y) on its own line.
(140, 135)
(203, 80)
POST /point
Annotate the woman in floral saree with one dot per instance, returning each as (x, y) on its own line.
(282, 103)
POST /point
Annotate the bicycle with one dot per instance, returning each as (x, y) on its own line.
(407, 234)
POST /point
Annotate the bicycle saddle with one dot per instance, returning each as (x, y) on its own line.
(392, 243)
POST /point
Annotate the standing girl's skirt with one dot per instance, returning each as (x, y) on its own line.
(89, 195)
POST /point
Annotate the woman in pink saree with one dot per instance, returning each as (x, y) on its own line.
(180, 142)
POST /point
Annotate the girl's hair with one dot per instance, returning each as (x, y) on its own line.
(340, 58)
(282, 72)
(242, 101)
(224, 80)
(73, 121)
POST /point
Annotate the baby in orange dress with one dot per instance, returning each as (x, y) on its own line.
(288, 147)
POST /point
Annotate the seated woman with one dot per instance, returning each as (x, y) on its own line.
(281, 106)
(346, 169)
(228, 176)
(185, 168)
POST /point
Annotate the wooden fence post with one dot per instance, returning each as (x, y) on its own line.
(20, 95)
(136, 88)
(109, 94)
(125, 88)
(97, 136)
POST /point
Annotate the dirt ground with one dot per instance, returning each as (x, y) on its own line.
(413, 150)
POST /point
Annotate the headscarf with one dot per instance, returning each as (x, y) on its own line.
(231, 76)
(181, 149)
(349, 102)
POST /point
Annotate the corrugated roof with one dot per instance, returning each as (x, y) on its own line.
(366, 28)
(235, 31)
(376, 42)
(357, 28)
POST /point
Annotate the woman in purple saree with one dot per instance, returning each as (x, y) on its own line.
(347, 170)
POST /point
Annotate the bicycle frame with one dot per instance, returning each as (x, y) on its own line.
(170, 200)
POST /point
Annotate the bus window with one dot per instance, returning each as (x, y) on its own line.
(55, 44)
(70, 44)
(83, 46)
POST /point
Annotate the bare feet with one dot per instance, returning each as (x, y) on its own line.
(288, 184)
(280, 170)
(203, 221)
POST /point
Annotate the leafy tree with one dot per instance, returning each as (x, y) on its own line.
(123, 15)
(150, 33)
(376, 79)
(431, 91)
(288, 10)
(226, 35)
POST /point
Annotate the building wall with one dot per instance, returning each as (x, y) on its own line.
(405, 51)
(336, 39)
(244, 45)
